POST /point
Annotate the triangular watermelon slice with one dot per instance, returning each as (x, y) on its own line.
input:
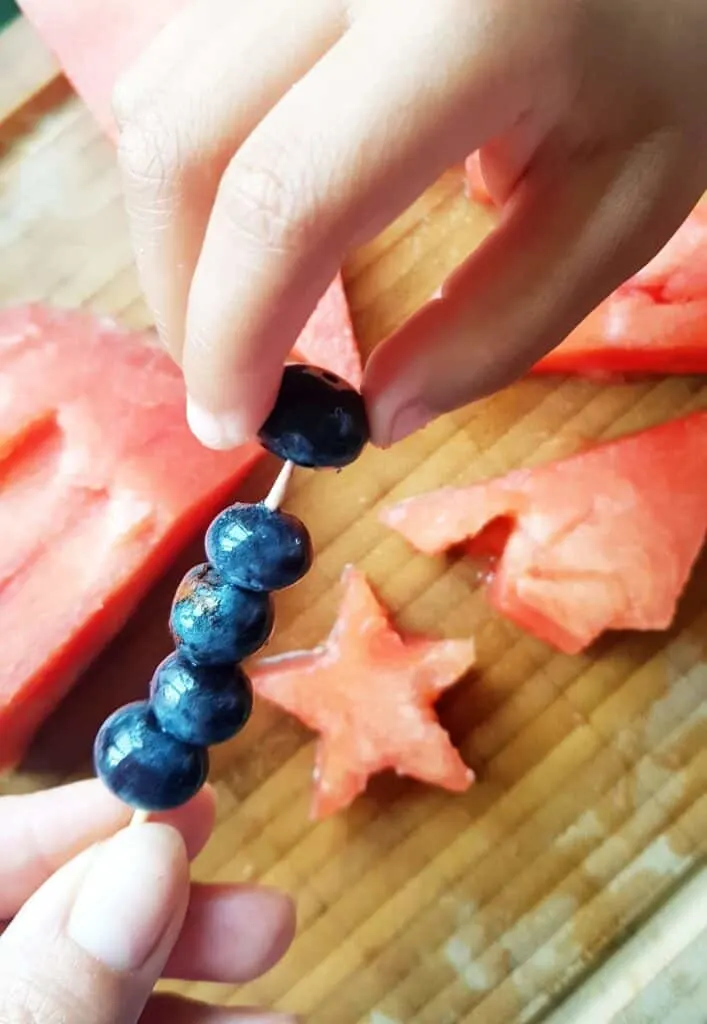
(603, 540)
(94, 41)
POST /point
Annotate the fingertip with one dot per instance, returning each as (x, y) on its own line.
(229, 393)
(255, 926)
(132, 899)
(218, 431)
(408, 419)
(271, 919)
(276, 914)
(287, 930)
(396, 383)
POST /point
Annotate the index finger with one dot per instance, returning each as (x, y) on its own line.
(41, 831)
(347, 149)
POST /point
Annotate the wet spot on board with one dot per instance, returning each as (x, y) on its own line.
(471, 972)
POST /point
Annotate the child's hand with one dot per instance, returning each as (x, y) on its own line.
(261, 141)
(93, 931)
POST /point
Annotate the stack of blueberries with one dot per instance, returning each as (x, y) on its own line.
(153, 754)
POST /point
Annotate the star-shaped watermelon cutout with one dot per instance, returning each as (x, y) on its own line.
(370, 693)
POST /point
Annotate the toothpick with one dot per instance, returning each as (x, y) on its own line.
(278, 490)
(139, 817)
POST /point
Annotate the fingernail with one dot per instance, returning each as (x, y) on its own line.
(130, 896)
(410, 418)
(218, 432)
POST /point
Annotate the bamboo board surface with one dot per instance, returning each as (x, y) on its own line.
(590, 808)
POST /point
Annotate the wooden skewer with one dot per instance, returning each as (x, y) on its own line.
(273, 501)
(279, 489)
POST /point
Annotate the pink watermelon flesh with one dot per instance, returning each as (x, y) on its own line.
(101, 484)
(605, 539)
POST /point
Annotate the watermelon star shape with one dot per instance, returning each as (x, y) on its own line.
(369, 692)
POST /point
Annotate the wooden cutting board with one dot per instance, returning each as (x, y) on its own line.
(591, 804)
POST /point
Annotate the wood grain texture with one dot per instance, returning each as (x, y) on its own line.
(591, 807)
(27, 69)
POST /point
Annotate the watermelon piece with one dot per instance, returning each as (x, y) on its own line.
(632, 334)
(678, 273)
(603, 540)
(95, 40)
(101, 484)
(94, 43)
(475, 184)
(369, 693)
(655, 323)
(327, 339)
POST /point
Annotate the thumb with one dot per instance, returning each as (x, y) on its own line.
(565, 240)
(90, 944)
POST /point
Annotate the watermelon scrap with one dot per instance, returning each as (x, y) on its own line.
(475, 184)
(328, 340)
(101, 484)
(605, 539)
(632, 334)
(369, 693)
(655, 323)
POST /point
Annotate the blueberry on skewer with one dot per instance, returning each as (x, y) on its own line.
(318, 420)
(200, 704)
(259, 548)
(214, 623)
(153, 754)
(144, 766)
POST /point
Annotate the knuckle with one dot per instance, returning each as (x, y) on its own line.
(266, 196)
(127, 96)
(24, 1002)
(148, 152)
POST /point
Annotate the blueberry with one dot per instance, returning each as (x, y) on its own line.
(200, 704)
(318, 420)
(259, 548)
(214, 623)
(143, 766)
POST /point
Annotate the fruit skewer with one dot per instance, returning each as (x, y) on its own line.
(272, 502)
(153, 754)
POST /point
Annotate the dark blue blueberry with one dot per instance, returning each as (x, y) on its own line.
(143, 766)
(318, 420)
(214, 623)
(259, 548)
(200, 704)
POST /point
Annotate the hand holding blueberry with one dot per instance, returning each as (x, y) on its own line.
(97, 915)
(294, 132)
